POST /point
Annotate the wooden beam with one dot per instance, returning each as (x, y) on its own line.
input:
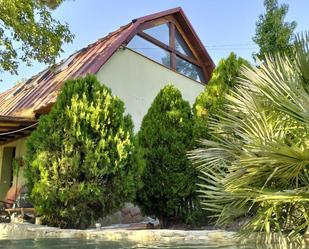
(10, 140)
(153, 23)
(4, 128)
(147, 25)
(7, 124)
(12, 120)
(189, 36)
(172, 44)
(168, 48)
(7, 137)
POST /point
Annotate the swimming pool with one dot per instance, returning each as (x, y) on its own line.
(100, 244)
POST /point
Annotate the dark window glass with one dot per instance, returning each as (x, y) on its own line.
(186, 68)
(150, 50)
(181, 45)
(160, 32)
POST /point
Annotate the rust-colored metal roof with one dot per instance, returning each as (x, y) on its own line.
(40, 92)
(42, 89)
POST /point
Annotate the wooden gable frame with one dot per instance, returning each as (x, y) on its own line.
(38, 94)
(187, 33)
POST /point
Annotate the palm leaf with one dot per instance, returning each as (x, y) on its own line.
(257, 160)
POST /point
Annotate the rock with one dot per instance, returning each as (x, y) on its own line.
(135, 211)
(125, 211)
(131, 214)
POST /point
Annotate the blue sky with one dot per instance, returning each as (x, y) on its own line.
(222, 25)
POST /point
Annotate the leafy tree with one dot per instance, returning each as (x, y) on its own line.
(28, 32)
(169, 178)
(273, 34)
(224, 78)
(82, 162)
(258, 165)
(51, 3)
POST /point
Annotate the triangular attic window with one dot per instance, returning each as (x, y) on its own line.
(180, 44)
(165, 44)
(160, 32)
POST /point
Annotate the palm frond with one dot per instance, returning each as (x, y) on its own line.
(257, 160)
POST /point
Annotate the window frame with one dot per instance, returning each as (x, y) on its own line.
(171, 48)
(146, 54)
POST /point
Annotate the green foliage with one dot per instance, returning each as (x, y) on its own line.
(28, 32)
(53, 4)
(169, 178)
(17, 163)
(82, 162)
(273, 35)
(223, 79)
(258, 164)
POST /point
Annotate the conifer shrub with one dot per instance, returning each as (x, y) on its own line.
(82, 162)
(207, 104)
(169, 179)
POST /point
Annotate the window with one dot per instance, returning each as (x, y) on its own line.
(181, 45)
(164, 44)
(150, 50)
(190, 70)
(160, 32)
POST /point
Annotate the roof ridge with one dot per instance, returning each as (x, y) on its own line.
(157, 14)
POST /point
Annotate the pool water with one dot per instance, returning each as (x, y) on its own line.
(98, 244)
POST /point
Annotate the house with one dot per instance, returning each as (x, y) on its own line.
(135, 61)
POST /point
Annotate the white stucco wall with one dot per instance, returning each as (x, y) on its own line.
(137, 80)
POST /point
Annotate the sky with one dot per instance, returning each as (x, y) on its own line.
(222, 25)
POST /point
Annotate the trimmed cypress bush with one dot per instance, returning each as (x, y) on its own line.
(169, 179)
(82, 162)
(223, 79)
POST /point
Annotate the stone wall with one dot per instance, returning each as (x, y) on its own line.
(30, 231)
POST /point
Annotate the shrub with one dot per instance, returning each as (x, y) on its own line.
(259, 163)
(169, 178)
(224, 78)
(82, 162)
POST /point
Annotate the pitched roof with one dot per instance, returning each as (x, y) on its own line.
(40, 91)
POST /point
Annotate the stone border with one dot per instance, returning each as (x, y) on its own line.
(30, 231)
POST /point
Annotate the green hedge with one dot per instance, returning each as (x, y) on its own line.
(82, 162)
(223, 78)
(169, 178)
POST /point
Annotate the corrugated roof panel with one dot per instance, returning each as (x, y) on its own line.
(24, 99)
